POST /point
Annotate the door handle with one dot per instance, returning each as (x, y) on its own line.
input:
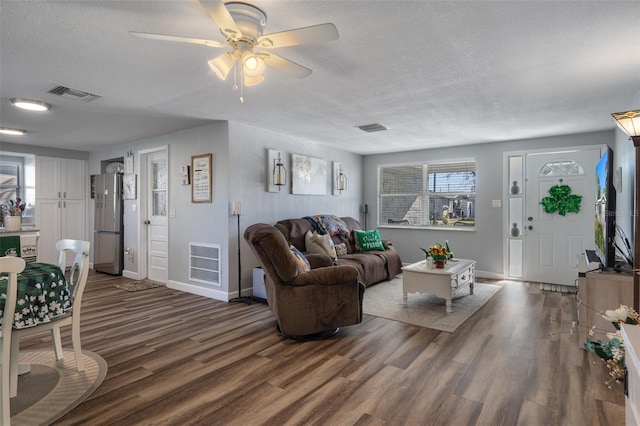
(147, 222)
(530, 228)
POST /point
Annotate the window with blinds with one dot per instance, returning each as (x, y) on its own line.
(9, 181)
(427, 194)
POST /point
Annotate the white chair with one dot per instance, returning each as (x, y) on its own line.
(12, 265)
(77, 278)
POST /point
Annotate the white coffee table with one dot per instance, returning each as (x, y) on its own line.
(458, 273)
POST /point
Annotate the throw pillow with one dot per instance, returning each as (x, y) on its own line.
(341, 249)
(301, 260)
(368, 240)
(322, 244)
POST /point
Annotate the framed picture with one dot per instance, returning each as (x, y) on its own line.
(129, 186)
(92, 185)
(309, 175)
(201, 180)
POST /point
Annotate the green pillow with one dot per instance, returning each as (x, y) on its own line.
(369, 240)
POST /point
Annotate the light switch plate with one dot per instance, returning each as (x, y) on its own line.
(496, 203)
(172, 212)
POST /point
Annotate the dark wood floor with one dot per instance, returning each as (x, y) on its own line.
(180, 359)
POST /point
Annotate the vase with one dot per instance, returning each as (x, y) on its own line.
(440, 264)
(12, 223)
(515, 189)
(515, 231)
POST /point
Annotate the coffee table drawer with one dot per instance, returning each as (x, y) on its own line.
(463, 277)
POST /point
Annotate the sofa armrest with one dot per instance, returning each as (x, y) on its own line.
(332, 275)
(387, 244)
(318, 260)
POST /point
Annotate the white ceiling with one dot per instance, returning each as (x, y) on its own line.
(436, 73)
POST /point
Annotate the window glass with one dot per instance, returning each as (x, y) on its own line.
(429, 194)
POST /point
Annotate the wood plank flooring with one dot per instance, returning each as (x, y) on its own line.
(180, 359)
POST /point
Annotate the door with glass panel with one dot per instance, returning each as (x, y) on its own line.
(156, 221)
(553, 241)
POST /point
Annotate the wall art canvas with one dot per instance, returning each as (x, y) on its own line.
(309, 175)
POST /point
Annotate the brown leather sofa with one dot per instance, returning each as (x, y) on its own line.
(306, 304)
(373, 266)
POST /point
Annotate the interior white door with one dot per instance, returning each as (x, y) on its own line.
(553, 241)
(157, 225)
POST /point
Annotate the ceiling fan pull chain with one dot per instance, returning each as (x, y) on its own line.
(241, 81)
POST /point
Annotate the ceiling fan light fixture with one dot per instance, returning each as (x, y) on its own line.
(30, 104)
(222, 65)
(252, 64)
(253, 80)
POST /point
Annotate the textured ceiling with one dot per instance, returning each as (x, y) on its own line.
(436, 73)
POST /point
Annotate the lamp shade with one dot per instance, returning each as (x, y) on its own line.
(252, 64)
(628, 121)
(252, 81)
(222, 65)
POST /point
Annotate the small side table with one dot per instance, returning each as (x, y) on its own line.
(417, 278)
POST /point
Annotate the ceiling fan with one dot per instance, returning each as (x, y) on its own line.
(242, 24)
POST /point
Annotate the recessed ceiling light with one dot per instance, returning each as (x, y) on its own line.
(30, 104)
(12, 132)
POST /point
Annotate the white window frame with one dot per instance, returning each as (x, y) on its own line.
(425, 194)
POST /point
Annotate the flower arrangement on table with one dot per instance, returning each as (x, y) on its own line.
(612, 351)
(438, 253)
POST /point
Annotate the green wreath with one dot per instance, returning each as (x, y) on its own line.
(561, 200)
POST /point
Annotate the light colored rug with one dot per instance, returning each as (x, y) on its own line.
(53, 388)
(139, 285)
(426, 310)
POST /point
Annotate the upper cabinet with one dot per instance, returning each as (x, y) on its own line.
(60, 178)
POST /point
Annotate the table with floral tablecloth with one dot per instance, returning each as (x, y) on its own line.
(43, 294)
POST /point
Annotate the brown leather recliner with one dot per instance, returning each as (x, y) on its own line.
(305, 304)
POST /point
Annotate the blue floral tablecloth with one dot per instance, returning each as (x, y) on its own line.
(43, 294)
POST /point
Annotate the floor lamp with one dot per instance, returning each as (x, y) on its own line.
(240, 298)
(629, 122)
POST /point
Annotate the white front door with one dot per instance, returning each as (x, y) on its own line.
(157, 226)
(553, 241)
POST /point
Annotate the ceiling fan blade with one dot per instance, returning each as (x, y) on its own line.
(163, 37)
(221, 16)
(306, 35)
(285, 65)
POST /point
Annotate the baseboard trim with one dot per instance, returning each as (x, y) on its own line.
(131, 274)
(199, 290)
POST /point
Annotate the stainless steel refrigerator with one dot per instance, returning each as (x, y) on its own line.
(107, 234)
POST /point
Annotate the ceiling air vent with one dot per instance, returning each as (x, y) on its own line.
(77, 95)
(375, 127)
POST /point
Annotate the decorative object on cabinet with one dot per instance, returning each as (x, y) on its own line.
(629, 122)
(515, 231)
(339, 179)
(276, 172)
(129, 186)
(613, 350)
(114, 167)
(201, 179)
(309, 175)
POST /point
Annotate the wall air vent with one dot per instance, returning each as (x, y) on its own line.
(204, 263)
(370, 128)
(76, 95)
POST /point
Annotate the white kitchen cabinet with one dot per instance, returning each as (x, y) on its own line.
(60, 178)
(60, 203)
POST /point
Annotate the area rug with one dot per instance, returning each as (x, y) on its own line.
(138, 286)
(426, 310)
(53, 388)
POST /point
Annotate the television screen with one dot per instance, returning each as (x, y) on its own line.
(605, 210)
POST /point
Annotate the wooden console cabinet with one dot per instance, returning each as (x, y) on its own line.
(598, 292)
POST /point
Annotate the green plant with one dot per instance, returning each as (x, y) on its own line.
(612, 351)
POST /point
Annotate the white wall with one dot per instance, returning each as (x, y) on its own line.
(624, 156)
(247, 183)
(485, 244)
